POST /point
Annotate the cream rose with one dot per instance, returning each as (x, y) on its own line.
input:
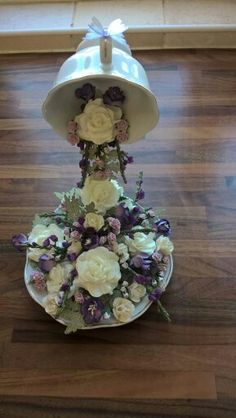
(141, 243)
(136, 292)
(98, 271)
(38, 234)
(103, 193)
(57, 276)
(123, 309)
(122, 251)
(96, 123)
(164, 245)
(50, 304)
(93, 220)
(74, 248)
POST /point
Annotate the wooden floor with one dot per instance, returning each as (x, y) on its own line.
(148, 368)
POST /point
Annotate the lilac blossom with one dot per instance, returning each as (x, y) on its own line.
(38, 280)
(91, 310)
(121, 125)
(114, 223)
(122, 137)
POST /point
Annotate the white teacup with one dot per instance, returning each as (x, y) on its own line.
(103, 62)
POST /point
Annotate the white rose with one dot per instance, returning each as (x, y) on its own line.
(93, 220)
(122, 251)
(136, 292)
(38, 234)
(96, 123)
(50, 304)
(141, 243)
(164, 245)
(103, 193)
(74, 248)
(57, 276)
(123, 309)
(98, 271)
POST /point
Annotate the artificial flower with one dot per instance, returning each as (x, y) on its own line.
(97, 122)
(123, 309)
(104, 194)
(91, 310)
(141, 243)
(122, 251)
(164, 245)
(94, 220)
(136, 292)
(58, 275)
(19, 241)
(114, 96)
(98, 271)
(86, 92)
(163, 227)
(39, 234)
(50, 304)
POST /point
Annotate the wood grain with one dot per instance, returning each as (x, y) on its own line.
(147, 368)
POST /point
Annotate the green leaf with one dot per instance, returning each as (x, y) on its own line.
(90, 208)
(73, 208)
(74, 192)
(72, 316)
(38, 220)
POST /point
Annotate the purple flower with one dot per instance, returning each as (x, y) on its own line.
(114, 96)
(64, 287)
(86, 92)
(140, 279)
(46, 242)
(155, 295)
(126, 217)
(81, 145)
(140, 195)
(91, 310)
(89, 239)
(157, 257)
(19, 241)
(72, 256)
(46, 263)
(141, 261)
(73, 273)
(83, 163)
(163, 227)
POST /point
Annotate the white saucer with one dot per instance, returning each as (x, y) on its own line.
(140, 308)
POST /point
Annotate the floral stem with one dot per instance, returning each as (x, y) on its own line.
(163, 312)
(121, 162)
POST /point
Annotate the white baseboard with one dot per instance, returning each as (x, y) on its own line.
(60, 26)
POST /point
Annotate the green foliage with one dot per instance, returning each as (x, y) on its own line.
(73, 207)
(74, 192)
(72, 316)
(39, 220)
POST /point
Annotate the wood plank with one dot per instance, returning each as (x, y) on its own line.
(77, 383)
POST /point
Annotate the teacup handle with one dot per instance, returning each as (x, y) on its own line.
(106, 50)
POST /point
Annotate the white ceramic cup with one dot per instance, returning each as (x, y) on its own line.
(103, 63)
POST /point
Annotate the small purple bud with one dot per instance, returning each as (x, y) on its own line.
(64, 287)
(46, 263)
(155, 295)
(53, 238)
(46, 242)
(19, 241)
(72, 257)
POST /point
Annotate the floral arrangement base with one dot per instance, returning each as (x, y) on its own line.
(140, 308)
